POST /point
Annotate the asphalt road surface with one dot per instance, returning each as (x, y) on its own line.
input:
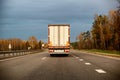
(75, 66)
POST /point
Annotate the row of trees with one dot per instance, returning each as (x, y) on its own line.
(105, 33)
(18, 44)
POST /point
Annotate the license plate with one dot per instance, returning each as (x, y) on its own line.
(58, 50)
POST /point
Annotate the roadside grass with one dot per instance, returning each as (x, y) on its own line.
(111, 53)
(105, 51)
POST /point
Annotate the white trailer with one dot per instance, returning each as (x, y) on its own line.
(59, 38)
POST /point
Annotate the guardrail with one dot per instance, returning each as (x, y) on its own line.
(6, 54)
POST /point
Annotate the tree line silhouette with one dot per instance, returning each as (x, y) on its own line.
(105, 33)
(17, 44)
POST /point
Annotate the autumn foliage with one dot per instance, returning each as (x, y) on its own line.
(18, 44)
(105, 33)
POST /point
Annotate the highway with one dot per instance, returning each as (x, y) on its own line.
(75, 66)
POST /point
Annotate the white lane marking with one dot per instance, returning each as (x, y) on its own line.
(100, 71)
(115, 58)
(11, 58)
(43, 58)
(81, 59)
(76, 57)
(88, 63)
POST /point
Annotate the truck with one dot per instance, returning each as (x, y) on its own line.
(59, 39)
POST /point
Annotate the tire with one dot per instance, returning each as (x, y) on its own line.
(66, 54)
(51, 54)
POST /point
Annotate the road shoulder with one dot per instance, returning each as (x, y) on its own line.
(112, 56)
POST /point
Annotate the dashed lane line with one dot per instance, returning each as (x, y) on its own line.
(43, 58)
(73, 55)
(100, 71)
(81, 59)
(87, 63)
(76, 57)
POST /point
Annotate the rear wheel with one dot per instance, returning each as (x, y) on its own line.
(51, 54)
(66, 54)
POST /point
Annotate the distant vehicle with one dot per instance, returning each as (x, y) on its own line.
(59, 38)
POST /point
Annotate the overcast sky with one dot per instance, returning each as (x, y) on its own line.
(25, 18)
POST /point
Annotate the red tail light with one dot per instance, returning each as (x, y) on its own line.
(67, 50)
(50, 50)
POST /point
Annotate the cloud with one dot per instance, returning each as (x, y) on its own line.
(35, 15)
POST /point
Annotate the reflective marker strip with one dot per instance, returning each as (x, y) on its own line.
(100, 71)
(88, 63)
